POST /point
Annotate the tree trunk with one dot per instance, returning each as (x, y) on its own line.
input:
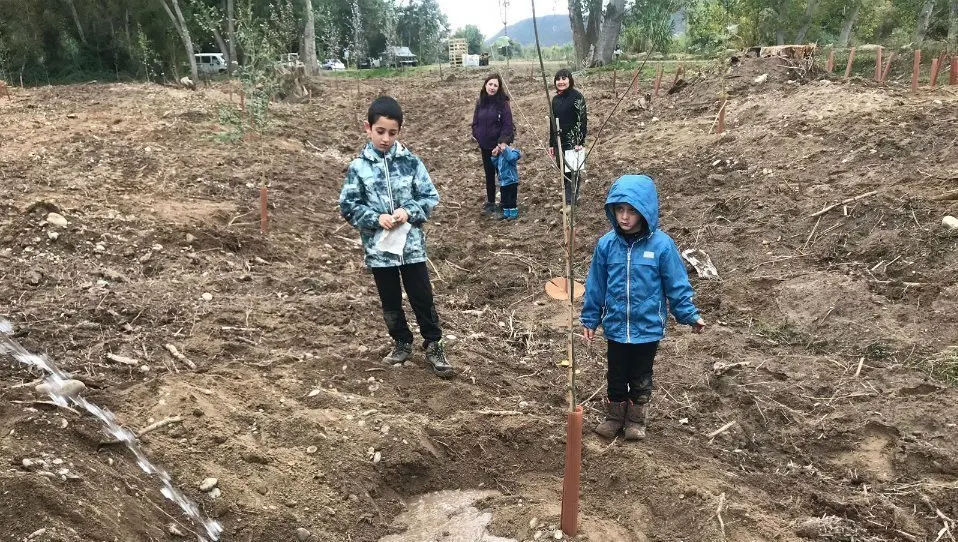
(611, 28)
(953, 27)
(76, 20)
(846, 37)
(231, 32)
(924, 17)
(309, 41)
(807, 21)
(179, 22)
(579, 40)
(218, 38)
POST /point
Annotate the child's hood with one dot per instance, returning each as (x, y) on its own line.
(398, 150)
(639, 192)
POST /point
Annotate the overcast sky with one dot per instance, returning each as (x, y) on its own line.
(487, 16)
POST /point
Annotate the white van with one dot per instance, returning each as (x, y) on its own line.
(210, 63)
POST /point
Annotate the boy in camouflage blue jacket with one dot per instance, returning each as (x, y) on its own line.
(388, 196)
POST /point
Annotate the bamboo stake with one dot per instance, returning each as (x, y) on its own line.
(851, 60)
(916, 71)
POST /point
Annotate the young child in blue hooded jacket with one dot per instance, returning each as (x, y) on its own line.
(636, 270)
(505, 163)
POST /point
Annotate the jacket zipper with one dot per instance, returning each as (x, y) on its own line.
(389, 192)
(628, 295)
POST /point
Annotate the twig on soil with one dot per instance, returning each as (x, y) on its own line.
(26, 384)
(435, 270)
(122, 359)
(148, 429)
(718, 514)
(819, 221)
(844, 202)
(45, 403)
(860, 363)
(499, 412)
(596, 392)
(721, 430)
(177, 355)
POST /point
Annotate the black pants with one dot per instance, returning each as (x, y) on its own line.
(490, 170)
(415, 277)
(630, 371)
(510, 196)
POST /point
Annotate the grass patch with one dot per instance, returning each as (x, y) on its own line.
(943, 367)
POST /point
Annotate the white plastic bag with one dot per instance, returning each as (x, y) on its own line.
(394, 240)
(574, 160)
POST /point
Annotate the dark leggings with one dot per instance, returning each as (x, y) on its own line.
(630, 371)
(415, 277)
(490, 170)
(510, 196)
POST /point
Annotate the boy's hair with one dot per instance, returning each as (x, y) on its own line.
(564, 72)
(384, 106)
(501, 96)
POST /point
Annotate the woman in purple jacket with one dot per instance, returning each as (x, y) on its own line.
(493, 129)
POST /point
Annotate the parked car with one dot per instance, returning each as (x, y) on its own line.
(210, 63)
(334, 65)
(368, 63)
(398, 57)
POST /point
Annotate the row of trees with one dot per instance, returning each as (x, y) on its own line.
(62, 40)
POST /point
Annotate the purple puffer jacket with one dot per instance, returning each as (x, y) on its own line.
(492, 124)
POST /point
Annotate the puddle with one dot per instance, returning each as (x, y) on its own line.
(447, 516)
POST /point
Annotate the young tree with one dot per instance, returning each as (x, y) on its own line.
(357, 45)
(179, 23)
(231, 32)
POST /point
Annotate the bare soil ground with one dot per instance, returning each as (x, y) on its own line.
(844, 410)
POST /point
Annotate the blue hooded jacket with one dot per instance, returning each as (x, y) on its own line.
(378, 183)
(629, 283)
(505, 163)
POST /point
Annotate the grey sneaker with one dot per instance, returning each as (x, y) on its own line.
(400, 353)
(436, 356)
(489, 209)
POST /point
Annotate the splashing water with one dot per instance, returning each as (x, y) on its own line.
(55, 380)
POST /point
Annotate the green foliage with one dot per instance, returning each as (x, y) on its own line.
(423, 27)
(648, 25)
(473, 37)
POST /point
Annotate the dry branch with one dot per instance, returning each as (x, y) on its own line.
(177, 355)
(845, 202)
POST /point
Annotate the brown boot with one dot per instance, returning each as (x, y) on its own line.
(614, 418)
(635, 421)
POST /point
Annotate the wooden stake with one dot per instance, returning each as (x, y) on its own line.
(916, 71)
(569, 518)
(934, 72)
(658, 80)
(615, 93)
(878, 65)
(953, 78)
(679, 72)
(851, 59)
(635, 78)
(721, 118)
(884, 75)
(242, 100)
(263, 214)
(830, 65)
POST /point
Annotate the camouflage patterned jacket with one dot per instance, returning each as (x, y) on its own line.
(377, 184)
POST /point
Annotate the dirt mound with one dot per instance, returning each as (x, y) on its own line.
(829, 360)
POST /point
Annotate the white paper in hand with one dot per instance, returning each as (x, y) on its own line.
(394, 240)
(574, 160)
